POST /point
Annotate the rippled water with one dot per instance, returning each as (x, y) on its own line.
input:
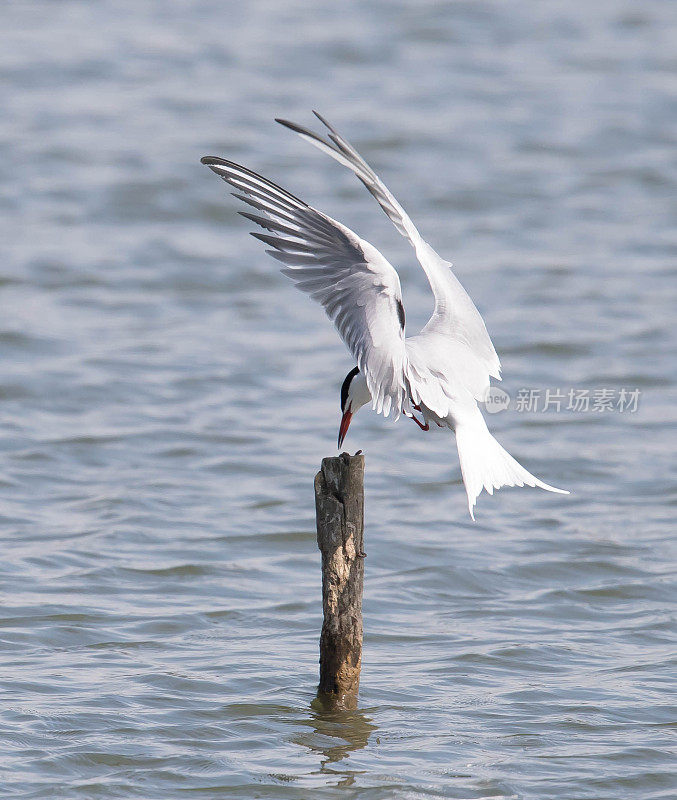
(166, 398)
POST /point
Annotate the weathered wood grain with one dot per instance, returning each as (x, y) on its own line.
(339, 505)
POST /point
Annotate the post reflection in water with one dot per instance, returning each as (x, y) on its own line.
(335, 735)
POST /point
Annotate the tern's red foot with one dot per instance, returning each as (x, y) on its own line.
(423, 427)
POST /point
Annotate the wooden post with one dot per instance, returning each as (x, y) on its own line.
(339, 506)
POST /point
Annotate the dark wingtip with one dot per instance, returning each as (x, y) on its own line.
(291, 125)
(323, 121)
(214, 161)
(400, 314)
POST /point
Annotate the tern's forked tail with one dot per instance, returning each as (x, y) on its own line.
(486, 465)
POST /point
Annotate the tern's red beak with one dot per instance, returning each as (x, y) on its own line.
(345, 424)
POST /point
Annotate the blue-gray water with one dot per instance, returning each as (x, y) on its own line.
(166, 397)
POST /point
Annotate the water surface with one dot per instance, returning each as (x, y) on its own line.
(166, 397)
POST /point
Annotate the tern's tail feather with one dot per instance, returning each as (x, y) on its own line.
(486, 465)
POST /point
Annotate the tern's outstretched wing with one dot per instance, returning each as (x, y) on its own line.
(341, 150)
(455, 316)
(359, 289)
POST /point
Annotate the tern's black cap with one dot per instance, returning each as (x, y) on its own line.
(346, 384)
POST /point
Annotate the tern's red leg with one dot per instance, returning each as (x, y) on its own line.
(423, 427)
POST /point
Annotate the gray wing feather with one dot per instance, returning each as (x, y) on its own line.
(455, 318)
(358, 288)
(343, 152)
